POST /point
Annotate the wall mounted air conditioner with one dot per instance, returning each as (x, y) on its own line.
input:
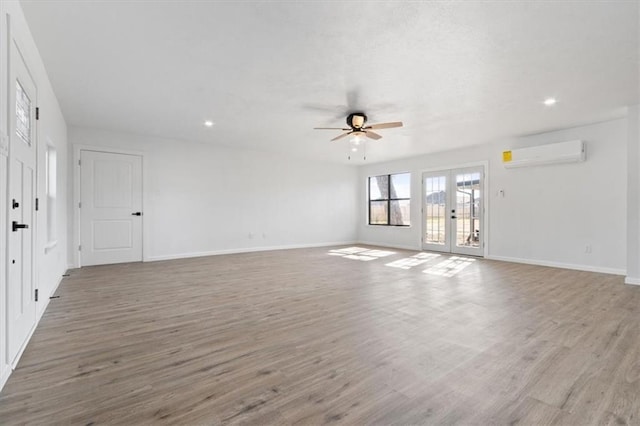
(554, 153)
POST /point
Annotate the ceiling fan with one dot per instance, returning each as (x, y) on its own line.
(356, 122)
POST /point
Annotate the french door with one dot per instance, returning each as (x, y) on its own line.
(453, 211)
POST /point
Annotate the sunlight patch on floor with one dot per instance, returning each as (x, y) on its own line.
(415, 260)
(360, 253)
(450, 267)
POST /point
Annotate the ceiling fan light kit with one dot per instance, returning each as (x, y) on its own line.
(357, 145)
(358, 130)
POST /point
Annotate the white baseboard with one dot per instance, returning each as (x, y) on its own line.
(587, 268)
(47, 300)
(14, 362)
(55, 287)
(396, 246)
(4, 375)
(41, 309)
(632, 281)
(243, 250)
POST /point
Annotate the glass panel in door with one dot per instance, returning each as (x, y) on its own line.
(435, 219)
(467, 220)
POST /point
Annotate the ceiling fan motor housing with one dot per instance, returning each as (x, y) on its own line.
(356, 120)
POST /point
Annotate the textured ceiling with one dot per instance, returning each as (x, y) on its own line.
(456, 73)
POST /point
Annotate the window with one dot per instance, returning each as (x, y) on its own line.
(51, 183)
(23, 114)
(390, 200)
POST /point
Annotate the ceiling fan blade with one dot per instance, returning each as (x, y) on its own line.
(372, 135)
(384, 125)
(341, 136)
(330, 128)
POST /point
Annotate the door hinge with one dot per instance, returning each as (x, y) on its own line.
(80, 248)
(80, 205)
(37, 113)
(79, 162)
(37, 204)
(36, 294)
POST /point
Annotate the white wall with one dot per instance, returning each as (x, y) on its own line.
(549, 213)
(633, 197)
(50, 265)
(203, 199)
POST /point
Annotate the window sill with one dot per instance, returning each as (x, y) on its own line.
(50, 246)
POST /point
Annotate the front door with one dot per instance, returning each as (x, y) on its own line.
(110, 208)
(21, 308)
(453, 211)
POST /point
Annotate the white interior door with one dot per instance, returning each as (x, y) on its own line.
(453, 211)
(110, 208)
(21, 302)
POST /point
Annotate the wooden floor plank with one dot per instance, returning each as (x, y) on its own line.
(322, 335)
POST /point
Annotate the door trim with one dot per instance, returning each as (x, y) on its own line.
(486, 201)
(77, 150)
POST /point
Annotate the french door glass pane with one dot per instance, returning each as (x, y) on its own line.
(378, 212)
(468, 209)
(435, 205)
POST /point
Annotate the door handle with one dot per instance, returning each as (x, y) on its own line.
(454, 217)
(15, 226)
(136, 214)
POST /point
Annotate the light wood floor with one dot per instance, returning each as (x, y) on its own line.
(301, 336)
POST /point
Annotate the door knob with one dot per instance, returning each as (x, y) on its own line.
(15, 226)
(136, 214)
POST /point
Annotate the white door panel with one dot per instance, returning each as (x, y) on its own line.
(112, 234)
(111, 195)
(21, 303)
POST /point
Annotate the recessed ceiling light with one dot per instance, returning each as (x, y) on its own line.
(550, 101)
(208, 123)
